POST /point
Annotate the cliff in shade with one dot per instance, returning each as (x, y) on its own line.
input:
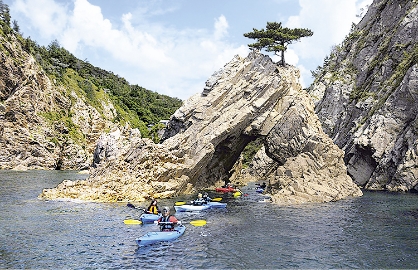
(250, 98)
(367, 97)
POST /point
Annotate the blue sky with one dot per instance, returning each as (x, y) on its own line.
(173, 46)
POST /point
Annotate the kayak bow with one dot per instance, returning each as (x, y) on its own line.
(155, 237)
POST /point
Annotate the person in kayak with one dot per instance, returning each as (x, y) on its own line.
(153, 208)
(199, 200)
(206, 198)
(167, 221)
(263, 186)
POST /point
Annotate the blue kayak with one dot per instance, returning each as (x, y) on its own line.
(216, 205)
(155, 237)
(149, 218)
(259, 190)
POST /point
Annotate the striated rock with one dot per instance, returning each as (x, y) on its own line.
(367, 96)
(249, 98)
(112, 145)
(32, 132)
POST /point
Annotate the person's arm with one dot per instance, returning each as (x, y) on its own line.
(174, 219)
(157, 221)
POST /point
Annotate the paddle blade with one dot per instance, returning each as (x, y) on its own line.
(132, 221)
(200, 222)
(216, 199)
(130, 205)
(179, 203)
(237, 194)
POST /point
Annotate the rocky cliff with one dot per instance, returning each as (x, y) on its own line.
(367, 97)
(249, 98)
(44, 125)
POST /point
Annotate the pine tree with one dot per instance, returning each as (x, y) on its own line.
(4, 13)
(276, 38)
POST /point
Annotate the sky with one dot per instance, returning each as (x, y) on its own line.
(173, 46)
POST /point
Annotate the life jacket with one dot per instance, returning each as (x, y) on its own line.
(166, 226)
(153, 209)
(199, 201)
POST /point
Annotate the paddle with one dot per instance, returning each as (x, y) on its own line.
(132, 221)
(216, 199)
(134, 207)
(199, 222)
(131, 205)
(237, 193)
(179, 203)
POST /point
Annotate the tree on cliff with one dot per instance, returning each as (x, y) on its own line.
(276, 38)
(4, 13)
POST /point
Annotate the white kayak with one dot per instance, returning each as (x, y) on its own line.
(217, 205)
(149, 218)
(190, 207)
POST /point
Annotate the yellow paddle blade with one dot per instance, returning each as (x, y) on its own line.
(132, 221)
(216, 199)
(199, 222)
(237, 194)
(179, 203)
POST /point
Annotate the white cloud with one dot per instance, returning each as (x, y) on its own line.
(48, 17)
(169, 61)
(177, 61)
(330, 21)
(221, 27)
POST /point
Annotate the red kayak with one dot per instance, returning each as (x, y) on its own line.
(225, 189)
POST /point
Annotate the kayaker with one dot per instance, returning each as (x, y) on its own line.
(263, 186)
(199, 200)
(153, 208)
(167, 221)
(206, 198)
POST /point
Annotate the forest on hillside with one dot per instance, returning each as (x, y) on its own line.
(140, 107)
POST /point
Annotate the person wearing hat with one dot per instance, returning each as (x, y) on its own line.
(153, 208)
(206, 198)
(167, 221)
(199, 200)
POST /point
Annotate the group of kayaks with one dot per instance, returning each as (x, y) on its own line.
(159, 236)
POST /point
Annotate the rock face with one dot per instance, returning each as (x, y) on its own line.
(367, 96)
(249, 98)
(30, 136)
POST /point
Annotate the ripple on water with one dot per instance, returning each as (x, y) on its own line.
(377, 230)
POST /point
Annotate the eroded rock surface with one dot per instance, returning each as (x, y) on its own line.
(249, 98)
(367, 97)
(43, 125)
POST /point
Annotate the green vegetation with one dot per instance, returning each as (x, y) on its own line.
(250, 150)
(276, 38)
(134, 104)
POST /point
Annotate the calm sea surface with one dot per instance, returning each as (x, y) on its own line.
(378, 230)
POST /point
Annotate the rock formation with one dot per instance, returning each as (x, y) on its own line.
(30, 105)
(367, 95)
(249, 98)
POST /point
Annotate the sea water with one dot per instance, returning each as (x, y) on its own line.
(378, 230)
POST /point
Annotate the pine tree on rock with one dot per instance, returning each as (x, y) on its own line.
(276, 38)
